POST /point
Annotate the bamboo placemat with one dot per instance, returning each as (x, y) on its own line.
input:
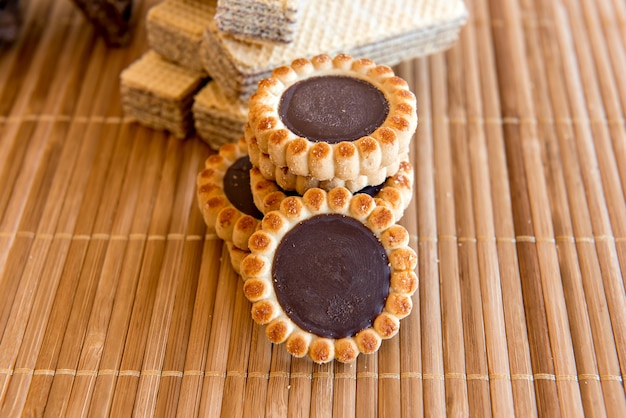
(114, 300)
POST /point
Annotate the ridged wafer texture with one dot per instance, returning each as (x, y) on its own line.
(181, 127)
(259, 20)
(257, 272)
(153, 73)
(280, 9)
(287, 180)
(386, 32)
(159, 93)
(175, 27)
(219, 119)
(370, 158)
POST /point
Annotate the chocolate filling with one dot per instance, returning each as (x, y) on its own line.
(237, 187)
(333, 108)
(331, 275)
(371, 190)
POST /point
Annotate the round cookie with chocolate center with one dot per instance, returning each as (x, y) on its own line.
(395, 192)
(332, 108)
(225, 198)
(291, 182)
(330, 274)
(332, 118)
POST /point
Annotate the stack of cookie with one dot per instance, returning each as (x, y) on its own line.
(174, 30)
(308, 203)
(230, 45)
(312, 171)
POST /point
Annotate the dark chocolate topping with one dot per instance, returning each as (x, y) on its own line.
(371, 190)
(237, 187)
(331, 275)
(333, 108)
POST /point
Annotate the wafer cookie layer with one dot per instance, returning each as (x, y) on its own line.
(160, 93)
(386, 32)
(218, 119)
(175, 28)
(254, 20)
(225, 199)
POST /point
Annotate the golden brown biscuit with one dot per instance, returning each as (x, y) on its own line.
(218, 119)
(332, 118)
(259, 20)
(174, 29)
(396, 192)
(225, 199)
(330, 274)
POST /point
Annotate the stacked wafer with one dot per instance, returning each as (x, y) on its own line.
(387, 32)
(312, 171)
(219, 119)
(233, 51)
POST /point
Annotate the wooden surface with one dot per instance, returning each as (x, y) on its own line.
(114, 301)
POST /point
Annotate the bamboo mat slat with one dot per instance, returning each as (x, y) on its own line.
(114, 300)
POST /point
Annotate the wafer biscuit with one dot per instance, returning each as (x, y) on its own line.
(387, 32)
(330, 275)
(218, 118)
(110, 18)
(175, 27)
(159, 93)
(266, 20)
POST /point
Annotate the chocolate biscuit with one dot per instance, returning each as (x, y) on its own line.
(332, 119)
(330, 275)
